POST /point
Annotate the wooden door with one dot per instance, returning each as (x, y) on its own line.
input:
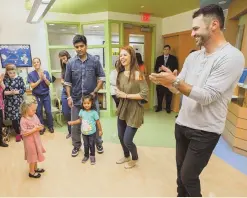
(181, 45)
(173, 41)
(135, 31)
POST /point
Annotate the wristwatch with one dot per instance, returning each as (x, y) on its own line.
(176, 83)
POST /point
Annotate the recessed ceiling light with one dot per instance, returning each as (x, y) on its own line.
(51, 24)
(96, 26)
(63, 30)
(142, 6)
(222, 2)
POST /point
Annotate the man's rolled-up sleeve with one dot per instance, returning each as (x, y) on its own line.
(100, 71)
(68, 75)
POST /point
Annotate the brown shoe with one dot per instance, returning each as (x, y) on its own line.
(123, 160)
(130, 164)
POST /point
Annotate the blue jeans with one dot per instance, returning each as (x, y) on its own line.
(126, 135)
(76, 129)
(66, 110)
(44, 101)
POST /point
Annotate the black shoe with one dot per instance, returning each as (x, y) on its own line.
(68, 136)
(40, 170)
(158, 110)
(51, 130)
(2, 144)
(84, 160)
(75, 152)
(176, 116)
(42, 132)
(92, 160)
(35, 175)
(168, 110)
(100, 149)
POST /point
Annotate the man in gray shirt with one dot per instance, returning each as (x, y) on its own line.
(207, 81)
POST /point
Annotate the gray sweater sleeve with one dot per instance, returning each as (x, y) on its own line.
(224, 74)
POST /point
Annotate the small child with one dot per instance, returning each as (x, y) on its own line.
(88, 118)
(30, 131)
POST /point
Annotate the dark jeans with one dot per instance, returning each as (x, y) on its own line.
(126, 135)
(116, 100)
(89, 144)
(193, 151)
(44, 101)
(66, 110)
(161, 92)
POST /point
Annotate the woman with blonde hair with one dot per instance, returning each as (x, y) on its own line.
(132, 90)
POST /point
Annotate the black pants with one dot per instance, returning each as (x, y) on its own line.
(16, 126)
(161, 92)
(89, 144)
(193, 151)
(126, 135)
(116, 99)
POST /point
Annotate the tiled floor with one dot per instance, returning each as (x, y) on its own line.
(154, 176)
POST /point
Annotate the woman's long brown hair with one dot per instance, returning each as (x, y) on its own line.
(61, 54)
(133, 65)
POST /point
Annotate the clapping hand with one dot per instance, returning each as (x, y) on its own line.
(38, 128)
(44, 77)
(41, 127)
(162, 68)
(164, 78)
(41, 75)
(15, 91)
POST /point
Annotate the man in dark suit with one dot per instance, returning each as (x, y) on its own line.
(170, 61)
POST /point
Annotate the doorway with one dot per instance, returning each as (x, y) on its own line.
(140, 38)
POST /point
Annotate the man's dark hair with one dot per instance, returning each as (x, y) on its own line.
(212, 10)
(167, 46)
(79, 38)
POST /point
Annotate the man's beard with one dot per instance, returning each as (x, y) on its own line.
(201, 40)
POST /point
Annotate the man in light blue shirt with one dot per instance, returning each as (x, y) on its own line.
(84, 75)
